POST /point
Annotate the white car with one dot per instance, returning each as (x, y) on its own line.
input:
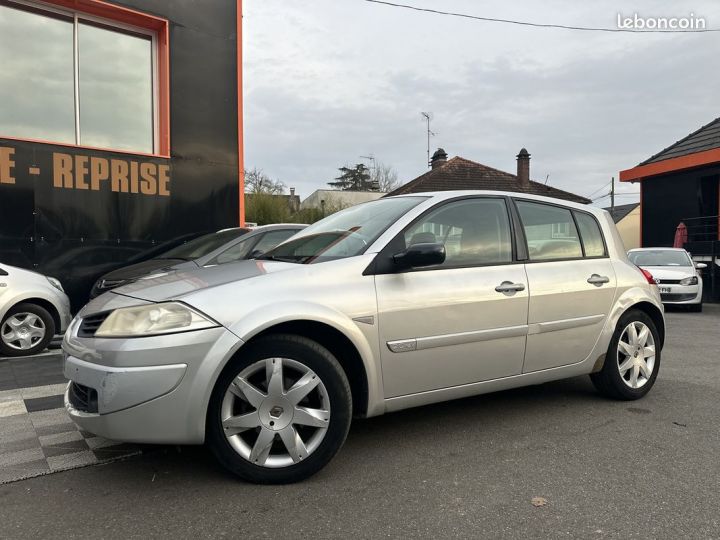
(33, 308)
(675, 273)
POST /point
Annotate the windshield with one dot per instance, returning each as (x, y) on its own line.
(659, 257)
(203, 245)
(344, 234)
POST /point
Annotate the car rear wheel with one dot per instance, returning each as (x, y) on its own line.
(280, 411)
(633, 358)
(26, 329)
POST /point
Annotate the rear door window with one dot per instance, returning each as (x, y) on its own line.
(550, 232)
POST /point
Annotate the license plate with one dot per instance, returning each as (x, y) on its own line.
(665, 290)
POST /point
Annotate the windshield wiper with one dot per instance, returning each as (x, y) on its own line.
(276, 258)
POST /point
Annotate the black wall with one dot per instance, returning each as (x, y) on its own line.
(78, 234)
(667, 200)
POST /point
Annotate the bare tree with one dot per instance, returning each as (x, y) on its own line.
(256, 181)
(385, 176)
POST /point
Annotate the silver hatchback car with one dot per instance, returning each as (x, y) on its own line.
(390, 304)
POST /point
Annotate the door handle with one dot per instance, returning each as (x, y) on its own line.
(509, 287)
(597, 280)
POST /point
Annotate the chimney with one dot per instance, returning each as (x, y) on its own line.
(292, 191)
(523, 168)
(439, 158)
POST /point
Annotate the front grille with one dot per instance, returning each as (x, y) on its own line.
(678, 297)
(83, 398)
(667, 281)
(90, 324)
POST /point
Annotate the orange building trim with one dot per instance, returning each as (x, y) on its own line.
(241, 145)
(698, 159)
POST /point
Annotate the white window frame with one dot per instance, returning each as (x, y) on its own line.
(78, 16)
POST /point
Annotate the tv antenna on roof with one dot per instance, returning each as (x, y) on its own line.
(427, 117)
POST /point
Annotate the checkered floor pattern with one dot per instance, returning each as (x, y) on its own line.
(36, 435)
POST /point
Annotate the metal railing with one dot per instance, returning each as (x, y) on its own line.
(702, 229)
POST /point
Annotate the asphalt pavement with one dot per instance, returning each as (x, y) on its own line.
(470, 468)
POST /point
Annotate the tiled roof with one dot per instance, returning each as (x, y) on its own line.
(622, 210)
(462, 174)
(705, 138)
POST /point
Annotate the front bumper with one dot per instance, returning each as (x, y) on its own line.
(680, 294)
(149, 390)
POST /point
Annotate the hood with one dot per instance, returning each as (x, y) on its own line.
(144, 268)
(166, 286)
(671, 272)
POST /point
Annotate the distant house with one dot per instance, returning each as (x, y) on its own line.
(333, 199)
(627, 220)
(682, 184)
(463, 174)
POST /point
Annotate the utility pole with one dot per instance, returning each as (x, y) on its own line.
(612, 194)
(428, 116)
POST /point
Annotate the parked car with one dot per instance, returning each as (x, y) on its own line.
(227, 245)
(675, 273)
(79, 266)
(366, 312)
(33, 308)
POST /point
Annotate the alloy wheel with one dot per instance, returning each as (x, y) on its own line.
(275, 412)
(22, 331)
(636, 354)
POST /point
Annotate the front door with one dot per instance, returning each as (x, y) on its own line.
(572, 284)
(460, 322)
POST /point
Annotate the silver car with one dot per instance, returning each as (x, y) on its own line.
(386, 305)
(33, 308)
(675, 273)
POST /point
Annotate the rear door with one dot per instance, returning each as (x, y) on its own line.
(460, 322)
(572, 284)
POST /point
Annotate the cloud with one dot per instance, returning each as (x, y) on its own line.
(330, 81)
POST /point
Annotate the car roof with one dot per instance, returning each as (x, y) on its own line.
(444, 195)
(658, 249)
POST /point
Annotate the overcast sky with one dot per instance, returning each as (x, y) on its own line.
(327, 81)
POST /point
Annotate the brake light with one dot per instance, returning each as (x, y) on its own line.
(649, 277)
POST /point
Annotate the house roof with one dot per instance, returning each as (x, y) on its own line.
(622, 210)
(463, 174)
(705, 138)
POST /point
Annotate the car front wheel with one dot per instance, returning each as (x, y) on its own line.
(26, 330)
(280, 411)
(632, 361)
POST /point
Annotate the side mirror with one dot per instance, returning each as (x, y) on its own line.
(419, 255)
(255, 254)
(700, 266)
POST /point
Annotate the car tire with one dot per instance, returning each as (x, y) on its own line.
(40, 326)
(615, 379)
(298, 357)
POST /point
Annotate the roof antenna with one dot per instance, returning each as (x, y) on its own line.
(547, 177)
(427, 116)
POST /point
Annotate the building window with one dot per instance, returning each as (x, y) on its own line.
(74, 78)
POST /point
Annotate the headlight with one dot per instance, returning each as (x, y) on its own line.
(56, 283)
(689, 281)
(152, 320)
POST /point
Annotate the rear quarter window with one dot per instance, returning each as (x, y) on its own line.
(591, 235)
